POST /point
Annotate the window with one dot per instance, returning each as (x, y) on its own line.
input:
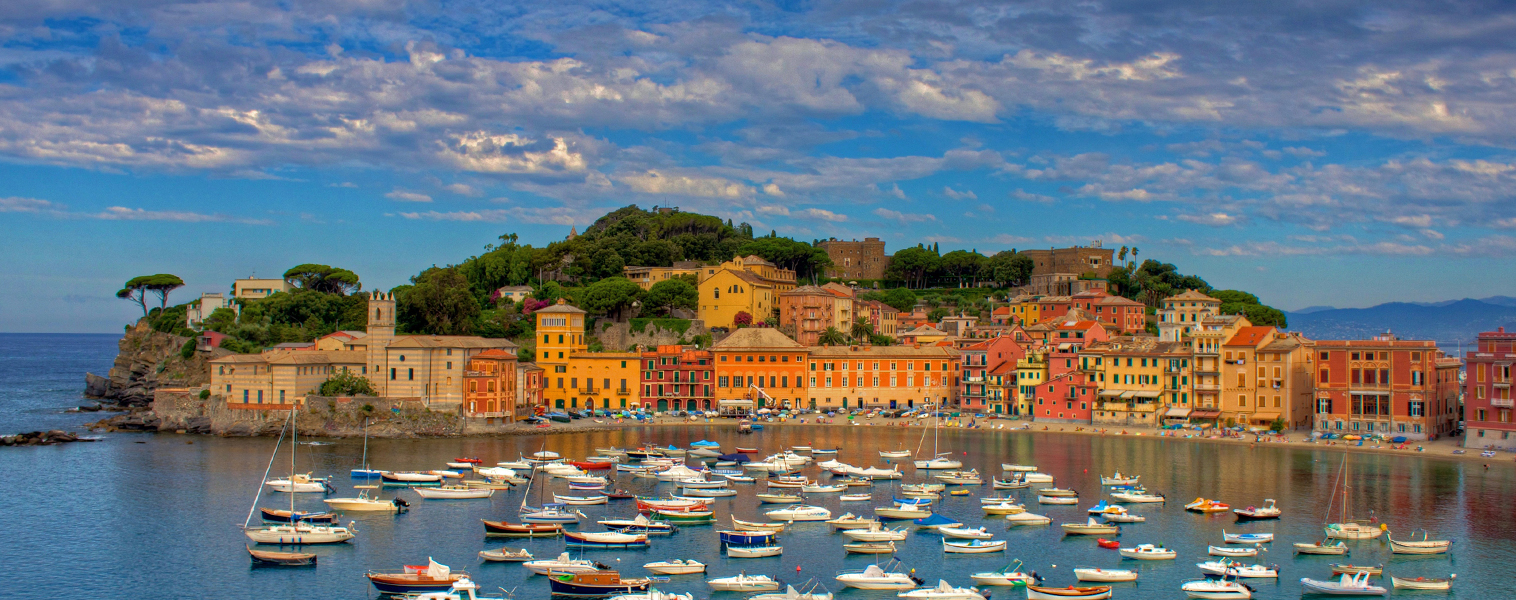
(1242, 401)
(392, 374)
(1324, 377)
(722, 381)
(410, 374)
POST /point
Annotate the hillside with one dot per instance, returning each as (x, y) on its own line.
(1447, 323)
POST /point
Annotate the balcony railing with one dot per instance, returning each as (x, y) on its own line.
(1207, 387)
(1503, 402)
(973, 379)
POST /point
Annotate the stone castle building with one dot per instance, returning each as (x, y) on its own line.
(855, 259)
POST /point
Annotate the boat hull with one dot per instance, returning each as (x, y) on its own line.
(1034, 592)
(581, 590)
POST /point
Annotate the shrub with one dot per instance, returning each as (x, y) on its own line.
(188, 350)
(345, 383)
(205, 394)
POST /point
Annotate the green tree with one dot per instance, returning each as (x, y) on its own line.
(220, 320)
(611, 296)
(832, 337)
(439, 303)
(1010, 269)
(901, 299)
(136, 289)
(345, 383)
(671, 294)
(323, 278)
(806, 260)
(962, 264)
(861, 329)
(913, 266)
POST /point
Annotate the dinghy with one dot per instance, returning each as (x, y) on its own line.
(975, 546)
(1215, 589)
(453, 492)
(675, 567)
(281, 559)
(870, 548)
(1104, 575)
(521, 530)
(1348, 585)
(1422, 583)
(753, 551)
(1423, 546)
(1093, 527)
(1246, 538)
(505, 555)
(1231, 552)
(1227, 568)
(605, 539)
(1148, 552)
(1322, 547)
(800, 513)
(1026, 518)
(1037, 592)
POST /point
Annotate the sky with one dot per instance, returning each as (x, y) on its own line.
(1314, 153)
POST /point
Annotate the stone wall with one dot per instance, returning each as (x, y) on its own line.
(181, 409)
(619, 337)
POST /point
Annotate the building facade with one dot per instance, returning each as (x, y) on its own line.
(807, 311)
(856, 260)
(575, 378)
(1487, 398)
(1182, 313)
(1074, 260)
(848, 377)
(1385, 386)
(758, 367)
(489, 385)
(1138, 378)
(201, 308)
(645, 277)
(678, 378)
(253, 288)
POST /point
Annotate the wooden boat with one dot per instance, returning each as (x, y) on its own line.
(639, 524)
(593, 465)
(1104, 575)
(596, 584)
(779, 498)
(581, 500)
(1321, 547)
(432, 577)
(1123, 517)
(823, 489)
(505, 555)
(522, 530)
(275, 515)
(870, 547)
(1203, 505)
(799, 513)
(1258, 513)
(409, 478)
(366, 503)
(1007, 576)
(459, 465)
(741, 525)
(693, 517)
(1424, 546)
(670, 503)
(281, 559)
(1148, 552)
(901, 512)
(551, 514)
(1216, 589)
(620, 494)
(753, 551)
(675, 567)
(1231, 552)
(1348, 585)
(1246, 538)
(605, 539)
(747, 538)
(1343, 569)
(453, 492)
(1422, 583)
(1037, 592)
(875, 533)
(855, 497)
(741, 450)
(970, 477)
(742, 582)
(894, 453)
(1093, 527)
(974, 546)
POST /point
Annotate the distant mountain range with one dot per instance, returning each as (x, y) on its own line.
(1449, 322)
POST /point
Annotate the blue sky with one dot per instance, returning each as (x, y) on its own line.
(1340, 153)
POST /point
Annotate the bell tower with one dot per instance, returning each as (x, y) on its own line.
(381, 331)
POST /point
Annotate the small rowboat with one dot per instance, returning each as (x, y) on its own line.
(1093, 527)
(1424, 546)
(1148, 552)
(1058, 493)
(855, 497)
(779, 498)
(1246, 538)
(1231, 552)
(1004, 508)
(1054, 500)
(1422, 583)
(959, 493)
(453, 492)
(742, 450)
(281, 559)
(1108, 544)
(675, 567)
(870, 548)
(1104, 575)
(973, 546)
(1338, 569)
(1338, 548)
(1013, 484)
(605, 539)
(1037, 592)
(505, 555)
(753, 551)
(741, 525)
(524, 530)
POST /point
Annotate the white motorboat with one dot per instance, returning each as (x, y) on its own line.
(870, 548)
(675, 567)
(1119, 479)
(1216, 589)
(1014, 468)
(709, 493)
(587, 479)
(753, 551)
(738, 478)
(546, 455)
(409, 477)
(1422, 583)
(923, 487)
(943, 591)
(1148, 552)
(505, 555)
(1056, 500)
(460, 465)
(364, 502)
(966, 533)
(1232, 552)
(519, 465)
(301, 483)
(1093, 527)
(1138, 497)
(1095, 592)
(822, 489)
(855, 497)
(875, 533)
(790, 593)
(695, 483)
(1038, 478)
(1008, 576)
(851, 521)
(650, 594)
(1422, 546)
(1246, 538)
(1227, 568)
(1257, 513)
(1004, 508)
(778, 498)
(799, 513)
(1347, 585)
(495, 472)
(1123, 517)
(581, 500)
(743, 582)
(551, 515)
(1026, 518)
(894, 453)
(1104, 575)
(901, 512)
(876, 578)
(453, 492)
(298, 533)
(562, 564)
(1322, 547)
(678, 472)
(1053, 492)
(975, 546)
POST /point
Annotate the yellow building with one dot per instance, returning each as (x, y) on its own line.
(758, 367)
(253, 288)
(1182, 314)
(924, 335)
(1030, 372)
(842, 377)
(1266, 377)
(1205, 347)
(645, 277)
(731, 292)
(1025, 310)
(574, 377)
(1139, 377)
(281, 378)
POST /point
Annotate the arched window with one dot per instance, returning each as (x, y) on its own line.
(716, 292)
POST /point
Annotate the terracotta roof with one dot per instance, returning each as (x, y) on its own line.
(451, 341)
(925, 330)
(561, 307)
(1004, 310)
(1008, 366)
(1119, 300)
(756, 337)
(317, 358)
(496, 353)
(806, 290)
(1192, 295)
(932, 352)
(1250, 336)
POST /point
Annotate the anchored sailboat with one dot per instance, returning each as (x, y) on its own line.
(298, 532)
(939, 460)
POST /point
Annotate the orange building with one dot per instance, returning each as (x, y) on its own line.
(489, 385)
(758, 367)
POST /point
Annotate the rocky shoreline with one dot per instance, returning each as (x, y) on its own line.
(42, 438)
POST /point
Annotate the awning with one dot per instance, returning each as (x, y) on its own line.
(1177, 413)
(1065, 346)
(1266, 417)
(1204, 413)
(1146, 394)
(1110, 393)
(739, 403)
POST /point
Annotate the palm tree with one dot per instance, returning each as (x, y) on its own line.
(862, 329)
(832, 337)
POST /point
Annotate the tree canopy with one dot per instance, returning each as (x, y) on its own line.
(670, 294)
(137, 288)
(323, 278)
(806, 260)
(439, 302)
(611, 296)
(1010, 268)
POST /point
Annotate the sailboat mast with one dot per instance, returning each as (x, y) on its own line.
(365, 443)
(266, 472)
(294, 447)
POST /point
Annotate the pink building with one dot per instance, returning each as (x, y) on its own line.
(1487, 396)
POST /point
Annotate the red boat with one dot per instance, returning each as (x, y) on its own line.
(1110, 544)
(748, 450)
(592, 466)
(471, 460)
(526, 530)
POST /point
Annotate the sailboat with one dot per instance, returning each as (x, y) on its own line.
(298, 532)
(365, 472)
(1350, 529)
(939, 460)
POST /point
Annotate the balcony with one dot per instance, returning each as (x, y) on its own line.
(979, 379)
(1207, 387)
(1503, 402)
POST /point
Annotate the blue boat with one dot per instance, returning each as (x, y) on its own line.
(1099, 507)
(365, 473)
(706, 444)
(736, 458)
(914, 501)
(935, 520)
(757, 427)
(748, 538)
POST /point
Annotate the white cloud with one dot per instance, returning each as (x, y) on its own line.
(345, 184)
(468, 216)
(463, 189)
(773, 209)
(511, 153)
(1303, 152)
(1216, 219)
(122, 213)
(28, 205)
(957, 195)
(822, 215)
(1026, 196)
(903, 218)
(655, 182)
(405, 196)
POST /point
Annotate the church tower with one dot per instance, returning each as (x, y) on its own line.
(561, 328)
(381, 331)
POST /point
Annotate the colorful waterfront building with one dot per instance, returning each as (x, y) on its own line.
(745, 284)
(1266, 379)
(574, 377)
(1139, 378)
(1031, 371)
(678, 378)
(845, 377)
(1182, 313)
(759, 367)
(884, 318)
(807, 311)
(529, 385)
(1487, 398)
(489, 383)
(1386, 386)
(1205, 344)
(978, 360)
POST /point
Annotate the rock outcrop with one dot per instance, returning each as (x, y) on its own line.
(184, 411)
(619, 337)
(41, 438)
(145, 361)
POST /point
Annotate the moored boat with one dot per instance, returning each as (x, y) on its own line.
(1422, 546)
(753, 551)
(870, 548)
(453, 492)
(1348, 585)
(1258, 513)
(432, 577)
(1092, 527)
(605, 539)
(1148, 552)
(1026, 518)
(973, 546)
(677, 566)
(742, 582)
(1204, 505)
(281, 559)
(505, 555)
(875, 577)
(1345, 569)
(943, 591)
(799, 513)
(1422, 583)
(1322, 547)
(1232, 552)
(740, 525)
(596, 584)
(1099, 575)
(1227, 568)
(563, 563)
(1007, 576)
(523, 530)
(747, 538)
(1216, 589)
(1098, 592)
(275, 515)
(1138, 497)
(1246, 538)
